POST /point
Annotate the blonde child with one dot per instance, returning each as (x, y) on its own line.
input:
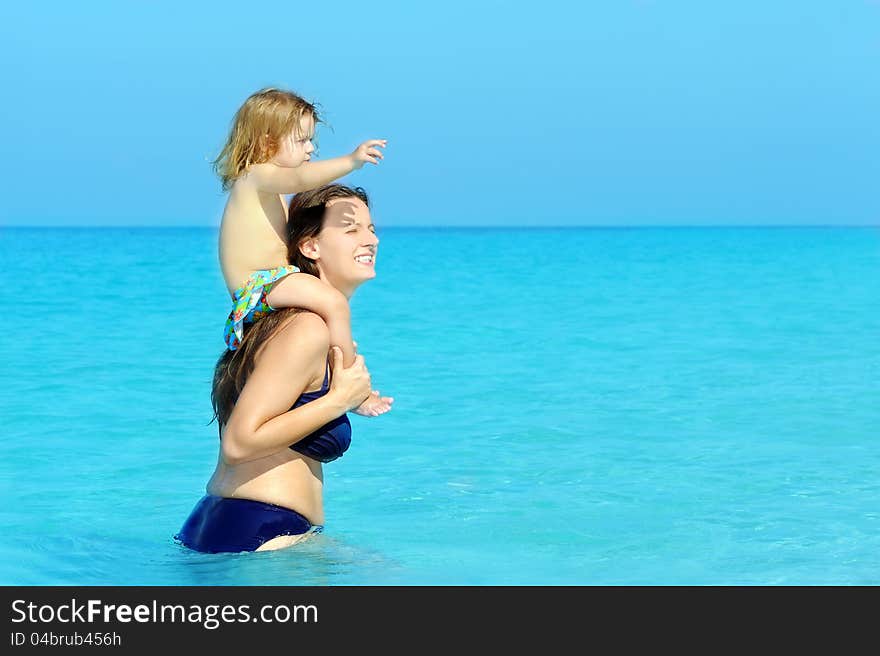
(267, 155)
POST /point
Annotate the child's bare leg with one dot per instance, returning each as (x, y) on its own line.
(301, 290)
(375, 405)
(310, 293)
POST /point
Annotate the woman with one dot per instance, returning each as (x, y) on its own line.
(279, 412)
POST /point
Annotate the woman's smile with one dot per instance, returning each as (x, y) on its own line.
(367, 259)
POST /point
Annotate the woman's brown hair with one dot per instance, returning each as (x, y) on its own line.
(305, 221)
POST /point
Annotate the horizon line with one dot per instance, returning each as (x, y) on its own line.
(589, 226)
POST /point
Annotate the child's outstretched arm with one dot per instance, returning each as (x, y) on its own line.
(276, 179)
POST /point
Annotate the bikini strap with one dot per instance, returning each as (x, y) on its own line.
(326, 384)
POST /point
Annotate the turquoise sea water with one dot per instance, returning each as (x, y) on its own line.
(573, 406)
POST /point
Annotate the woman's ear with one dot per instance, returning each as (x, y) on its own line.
(310, 249)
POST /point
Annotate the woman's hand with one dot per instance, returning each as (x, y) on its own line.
(350, 386)
(375, 404)
(368, 152)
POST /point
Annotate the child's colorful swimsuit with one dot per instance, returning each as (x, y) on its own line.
(249, 302)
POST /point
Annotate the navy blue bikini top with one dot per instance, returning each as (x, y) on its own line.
(331, 440)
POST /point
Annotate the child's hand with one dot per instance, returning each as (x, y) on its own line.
(375, 405)
(368, 152)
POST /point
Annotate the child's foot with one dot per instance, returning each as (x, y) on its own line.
(375, 405)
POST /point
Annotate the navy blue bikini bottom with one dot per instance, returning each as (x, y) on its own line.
(220, 524)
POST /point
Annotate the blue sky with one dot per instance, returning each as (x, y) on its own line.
(624, 112)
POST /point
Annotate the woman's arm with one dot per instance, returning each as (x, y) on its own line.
(262, 422)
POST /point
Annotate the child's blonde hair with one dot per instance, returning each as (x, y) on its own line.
(260, 124)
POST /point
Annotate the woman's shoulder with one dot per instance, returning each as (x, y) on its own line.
(304, 330)
(301, 342)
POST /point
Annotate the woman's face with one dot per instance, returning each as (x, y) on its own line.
(346, 246)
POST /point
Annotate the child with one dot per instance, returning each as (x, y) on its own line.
(267, 155)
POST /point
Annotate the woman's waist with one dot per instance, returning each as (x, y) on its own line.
(296, 484)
